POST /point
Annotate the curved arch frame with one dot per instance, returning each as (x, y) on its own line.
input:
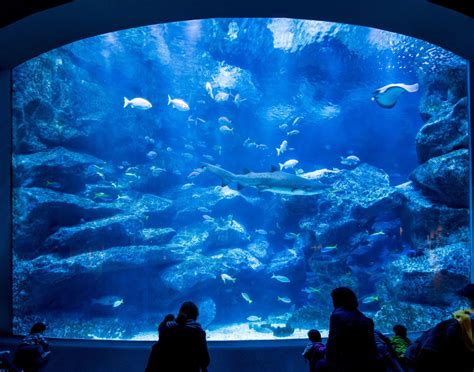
(53, 28)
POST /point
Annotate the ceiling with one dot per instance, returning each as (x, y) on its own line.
(62, 24)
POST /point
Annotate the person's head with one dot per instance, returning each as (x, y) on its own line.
(314, 335)
(344, 297)
(468, 292)
(188, 310)
(400, 330)
(168, 318)
(38, 328)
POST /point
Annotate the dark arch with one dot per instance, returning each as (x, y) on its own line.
(79, 19)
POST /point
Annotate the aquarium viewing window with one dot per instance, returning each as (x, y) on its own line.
(248, 165)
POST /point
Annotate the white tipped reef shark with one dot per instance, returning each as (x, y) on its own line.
(275, 181)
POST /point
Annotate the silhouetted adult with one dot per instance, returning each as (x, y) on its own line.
(182, 345)
(351, 344)
(32, 353)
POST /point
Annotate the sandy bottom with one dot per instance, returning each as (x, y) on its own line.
(237, 331)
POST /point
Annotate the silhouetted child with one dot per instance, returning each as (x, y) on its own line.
(168, 321)
(400, 341)
(314, 350)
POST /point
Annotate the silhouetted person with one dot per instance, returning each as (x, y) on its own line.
(351, 343)
(182, 345)
(449, 345)
(154, 358)
(32, 353)
(400, 343)
(314, 351)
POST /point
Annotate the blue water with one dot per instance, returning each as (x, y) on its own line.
(319, 84)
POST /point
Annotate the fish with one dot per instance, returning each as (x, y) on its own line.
(208, 157)
(151, 155)
(285, 300)
(370, 299)
(169, 149)
(246, 297)
(221, 97)
(187, 186)
(189, 147)
(297, 119)
(238, 100)
(281, 278)
(388, 95)
(208, 218)
(282, 148)
(178, 104)
(225, 129)
(101, 195)
(53, 185)
(123, 197)
(156, 171)
(138, 103)
(224, 120)
(377, 233)
(194, 173)
(130, 174)
(311, 290)
(351, 160)
(209, 89)
(329, 248)
(283, 126)
(288, 164)
(227, 277)
(261, 232)
(293, 132)
(254, 318)
(113, 301)
(261, 146)
(276, 182)
(204, 210)
(290, 236)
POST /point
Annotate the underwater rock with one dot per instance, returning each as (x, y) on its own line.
(442, 89)
(312, 316)
(444, 134)
(156, 236)
(199, 272)
(429, 224)
(219, 200)
(445, 178)
(185, 276)
(431, 280)
(360, 195)
(40, 212)
(260, 248)
(94, 235)
(413, 316)
(211, 235)
(287, 262)
(60, 275)
(58, 169)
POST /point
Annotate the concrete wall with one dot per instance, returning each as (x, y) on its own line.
(117, 356)
(5, 203)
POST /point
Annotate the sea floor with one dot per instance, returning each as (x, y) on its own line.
(237, 332)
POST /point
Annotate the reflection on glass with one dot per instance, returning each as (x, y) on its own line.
(248, 165)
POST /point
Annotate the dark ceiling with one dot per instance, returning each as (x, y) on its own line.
(12, 11)
(44, 30)
(462, 6)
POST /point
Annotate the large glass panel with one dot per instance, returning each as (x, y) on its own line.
(248, 165)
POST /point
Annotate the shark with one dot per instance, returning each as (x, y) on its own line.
(275, 181)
